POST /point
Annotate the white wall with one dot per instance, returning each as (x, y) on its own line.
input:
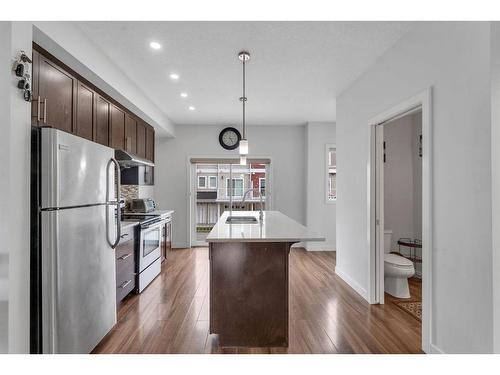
(320, 216)
(454, 59)
(398, 179)
(285, 145)
(403, 181)
(14, 191)
(495, 175)
(72, 46)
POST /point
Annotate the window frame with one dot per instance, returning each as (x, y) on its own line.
(260, 186)
(242, 186)
(205, 185)
(210, 178)
(328, 148)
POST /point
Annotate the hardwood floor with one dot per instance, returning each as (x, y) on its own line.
(326, 315)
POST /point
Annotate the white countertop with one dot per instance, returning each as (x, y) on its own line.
(275, 227)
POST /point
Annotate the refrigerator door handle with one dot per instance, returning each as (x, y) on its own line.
(116, 203)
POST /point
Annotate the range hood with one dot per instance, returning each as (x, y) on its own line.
(127, 160)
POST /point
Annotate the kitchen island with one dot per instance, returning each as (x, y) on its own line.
(249, 277)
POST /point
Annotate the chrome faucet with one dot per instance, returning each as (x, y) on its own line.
(261, 214)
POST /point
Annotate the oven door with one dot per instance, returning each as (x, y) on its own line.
(150, 245)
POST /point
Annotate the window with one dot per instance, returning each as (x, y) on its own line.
(331, 174)
(262, 186)
(212, 182)
(202, 182)
(237, 187)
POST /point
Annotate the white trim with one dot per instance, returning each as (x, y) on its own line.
(351, 282)
(422, 99)
(202, 186)
(435, 350)
(328, 147)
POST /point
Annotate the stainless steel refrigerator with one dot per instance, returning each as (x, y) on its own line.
(76, 230)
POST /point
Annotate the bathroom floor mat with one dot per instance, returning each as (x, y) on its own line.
(414, 308)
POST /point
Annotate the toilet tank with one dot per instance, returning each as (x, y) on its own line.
(387, 241)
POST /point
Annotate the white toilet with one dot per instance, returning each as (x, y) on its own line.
(397, 270)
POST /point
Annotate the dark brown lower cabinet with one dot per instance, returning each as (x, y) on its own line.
(166, 240)
(125, 264)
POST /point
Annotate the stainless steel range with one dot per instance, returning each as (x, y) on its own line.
(151, 240)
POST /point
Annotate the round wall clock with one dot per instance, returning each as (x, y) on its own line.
(229, 138)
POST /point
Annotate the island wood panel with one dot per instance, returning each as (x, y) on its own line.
(249, 293)
(325, 315)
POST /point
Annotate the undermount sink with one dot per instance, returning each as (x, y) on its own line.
(241, 220)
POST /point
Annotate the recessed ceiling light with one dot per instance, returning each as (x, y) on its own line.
(155, 45)
(191, 108)
(184, 95)
(174, 76)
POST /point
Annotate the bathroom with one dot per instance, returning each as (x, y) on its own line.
(403, 212)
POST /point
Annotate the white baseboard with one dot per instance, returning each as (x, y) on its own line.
(180, 245)
(319, 246)
(435, 350)
(353, 284)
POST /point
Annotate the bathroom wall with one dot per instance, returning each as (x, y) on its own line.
(403, 181)
(453, 60)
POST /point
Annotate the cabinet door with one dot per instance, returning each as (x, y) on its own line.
(35, 75)
(130, 134)
(150, 143)
(57, 90)
(85, 112)
(141, 139)
(117, 136)
(103, 114)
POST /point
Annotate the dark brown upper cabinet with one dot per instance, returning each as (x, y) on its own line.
(85, 112)
(141, 139)
(150, 143)
(130, 134)
(55, 97)
(65, 100)
(117, 134)
(103, 116)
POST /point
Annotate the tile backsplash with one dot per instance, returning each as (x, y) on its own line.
(129, 192)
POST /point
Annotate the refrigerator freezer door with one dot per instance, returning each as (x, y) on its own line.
(78, 280)
(74, 170)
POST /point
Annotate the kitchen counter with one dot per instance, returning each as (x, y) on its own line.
(275, 227)
(249, 278)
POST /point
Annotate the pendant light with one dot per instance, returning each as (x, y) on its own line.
(243, 56)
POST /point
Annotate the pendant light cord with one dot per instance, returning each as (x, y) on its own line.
(244, 99)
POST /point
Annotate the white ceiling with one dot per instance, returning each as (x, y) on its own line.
(295, 73)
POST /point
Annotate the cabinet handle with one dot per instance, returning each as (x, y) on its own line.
(124, 285)
(45, 110)
(123, 257)
(38, 109)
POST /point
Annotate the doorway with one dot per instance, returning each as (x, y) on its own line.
(218, 185)
(419, 249)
